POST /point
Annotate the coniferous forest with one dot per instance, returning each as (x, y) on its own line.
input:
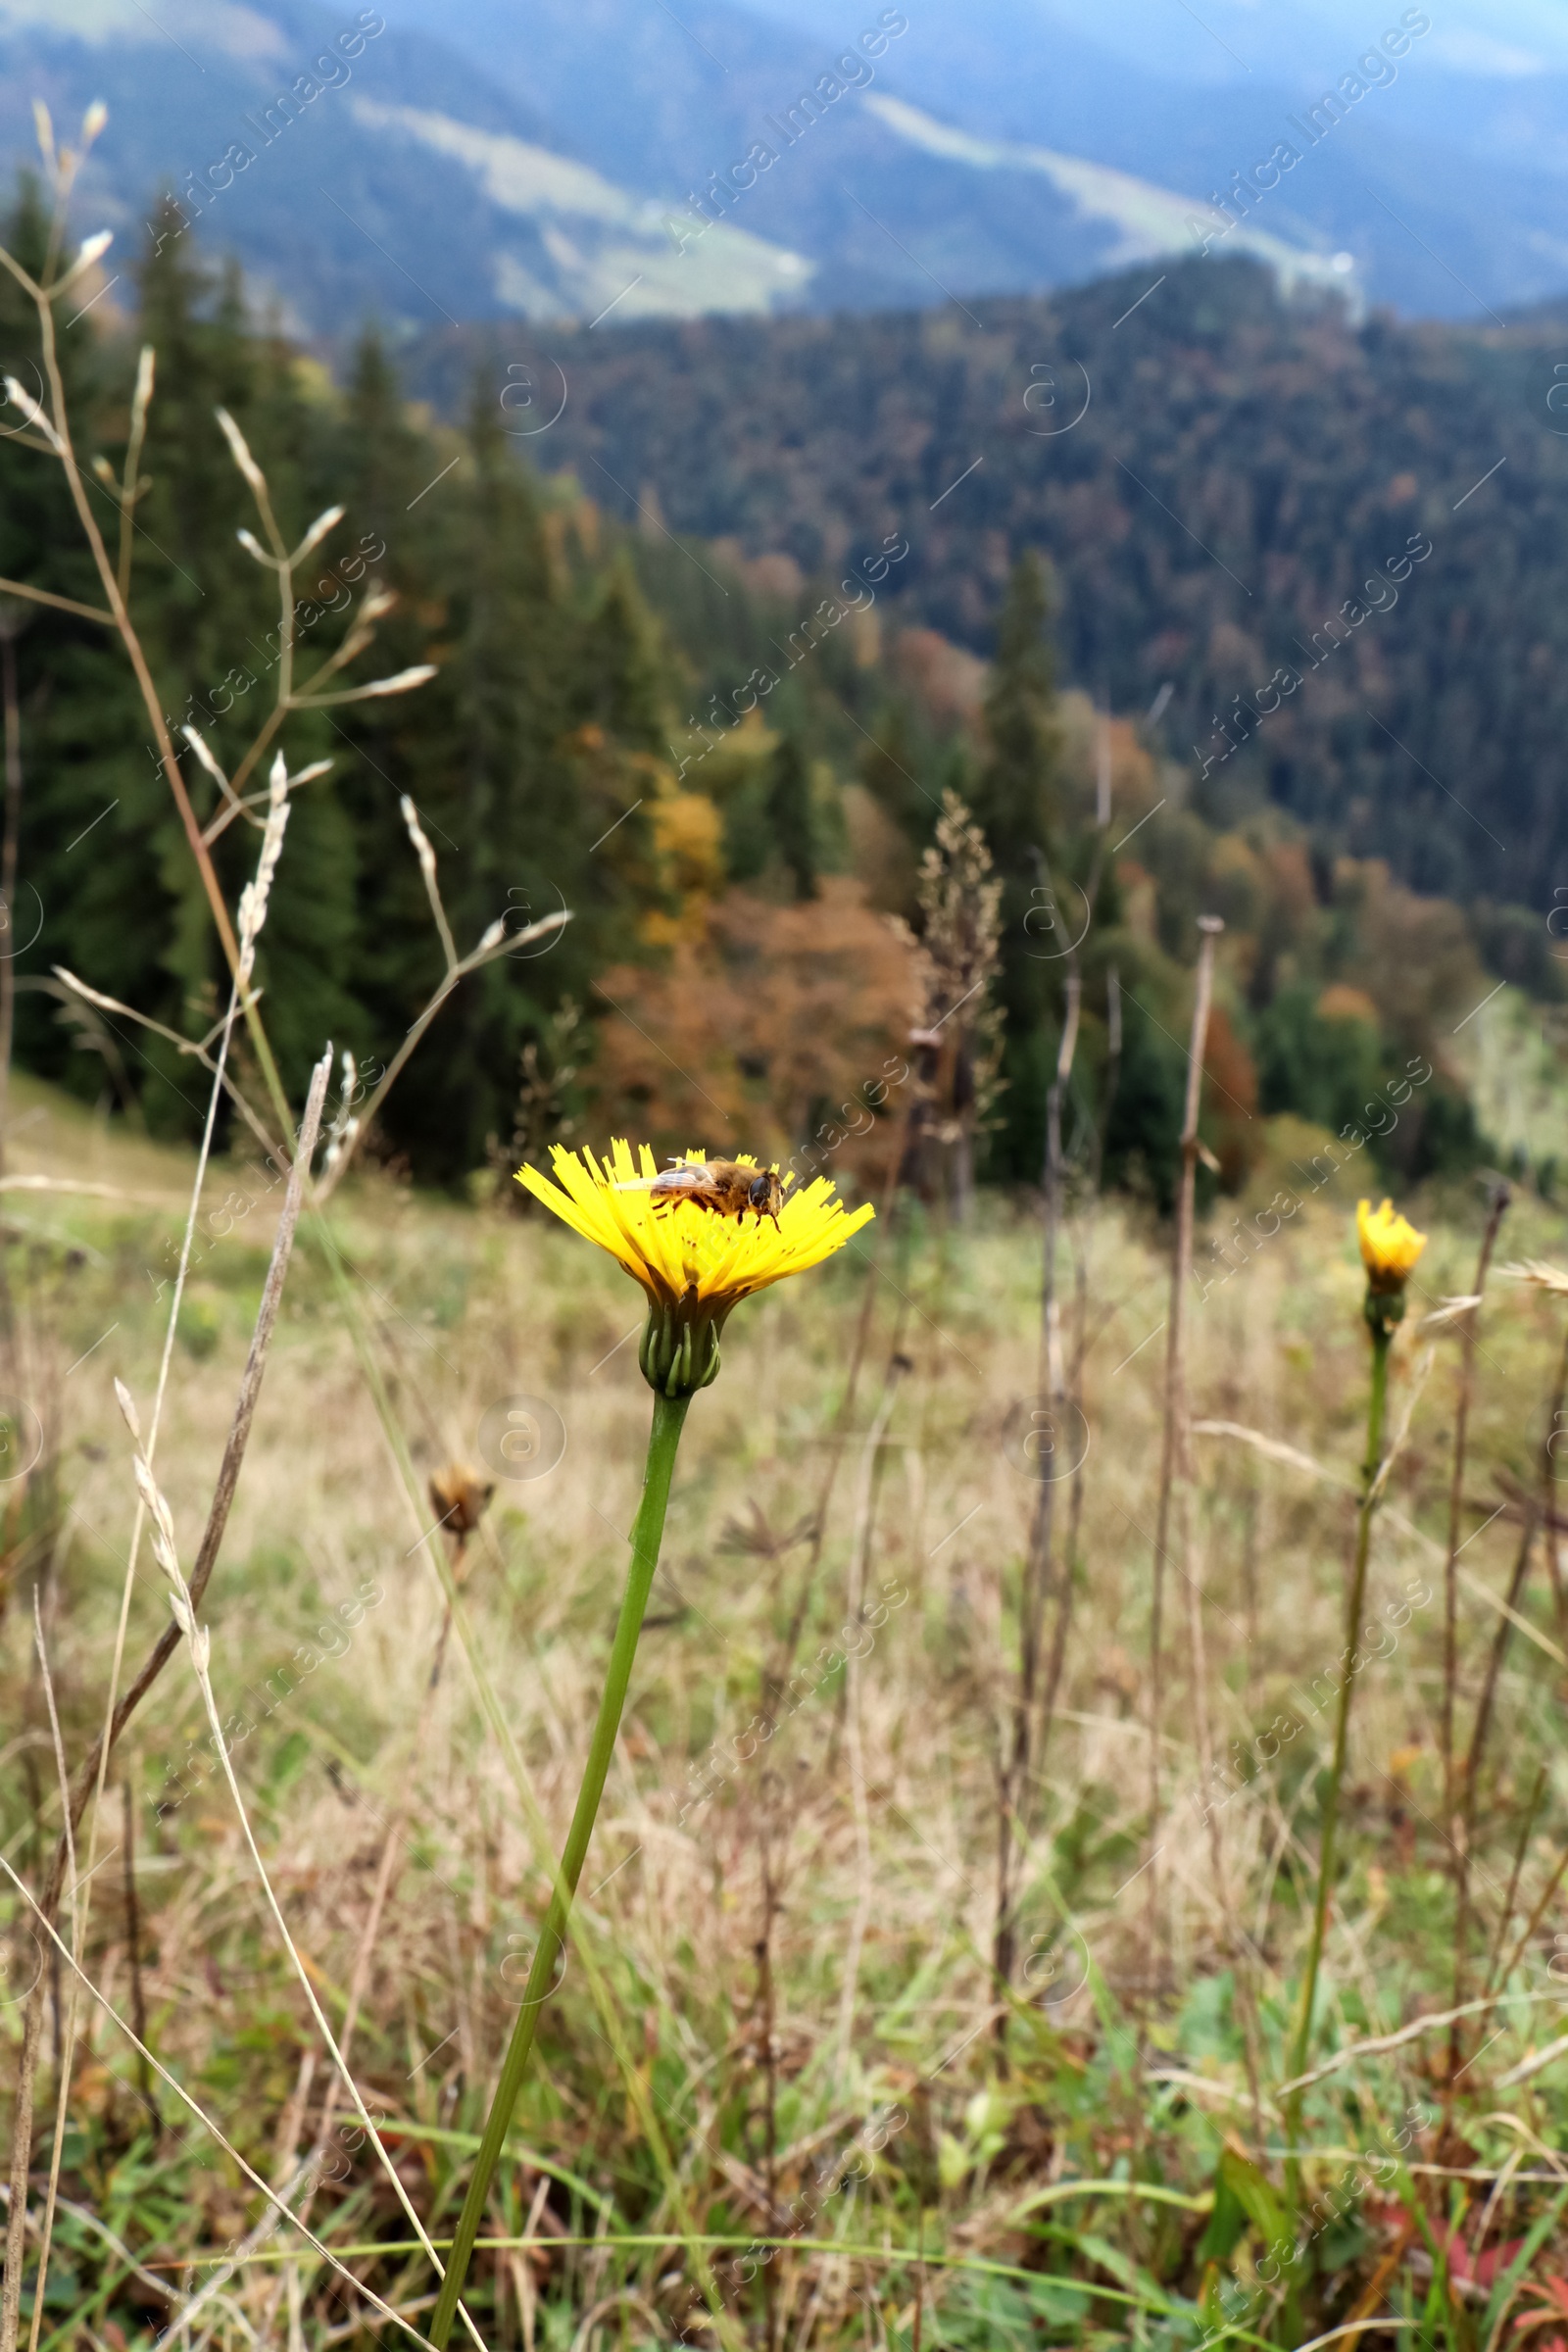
(701, 753)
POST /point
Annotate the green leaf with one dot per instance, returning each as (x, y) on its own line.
(1255, 2193)
(1225, 2223)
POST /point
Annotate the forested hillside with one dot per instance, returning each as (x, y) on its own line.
(731, 774)
(1343, 549)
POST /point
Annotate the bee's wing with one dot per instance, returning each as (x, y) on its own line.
(683, 1177)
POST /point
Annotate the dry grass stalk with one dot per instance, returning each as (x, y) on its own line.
(64, 2064)
(1470, 1771)
(1464, 1391)
(198, 1640)
(1083, 1338)
(1175, 1458)
(777, 1671)
(9, 631)
(854, 1750)
(139, 1992)
(959, 956)
(1018, 1752)
(1021, 1765)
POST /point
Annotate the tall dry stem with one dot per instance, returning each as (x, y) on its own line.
(1453, 1827)
(855, 1753)
(1175, 1455)
(10, 628)
(1079, 1360)
(1033, 1585)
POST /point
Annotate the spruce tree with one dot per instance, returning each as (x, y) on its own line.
(890, 766)
(626, 672)
(95, 845)
(414, 548)
(790, 814)
(1014, 794)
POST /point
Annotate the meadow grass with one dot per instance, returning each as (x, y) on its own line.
(1105, 2170)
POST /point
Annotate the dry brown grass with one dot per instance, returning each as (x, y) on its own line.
(462, 1308)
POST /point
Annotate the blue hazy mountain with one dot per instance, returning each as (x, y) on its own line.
(1445, 181)
(355, 168)
(472, 159)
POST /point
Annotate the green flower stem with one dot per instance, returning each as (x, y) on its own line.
(1380, 1325)
(669, 1414)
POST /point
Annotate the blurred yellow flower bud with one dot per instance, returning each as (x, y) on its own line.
(1390, 1246)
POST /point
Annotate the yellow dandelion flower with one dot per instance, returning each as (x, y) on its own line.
(1390, 1247)
(694, 1263)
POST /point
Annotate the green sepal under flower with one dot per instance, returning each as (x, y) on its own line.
(1383, 1310)
(679, 1349)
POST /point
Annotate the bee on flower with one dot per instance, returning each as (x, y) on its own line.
(699, 1238)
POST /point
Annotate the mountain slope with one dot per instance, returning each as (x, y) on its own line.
(571, 158)
(389, 181)
(1145, 91)
(1231, 489)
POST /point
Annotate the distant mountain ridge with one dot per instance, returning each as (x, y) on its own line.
(386, 179)
(579, 158)
(1234, 491)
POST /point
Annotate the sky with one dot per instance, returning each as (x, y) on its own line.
(1219, 40)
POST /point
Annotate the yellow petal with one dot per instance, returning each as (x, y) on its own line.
(679, 1251)
(1390, 1245)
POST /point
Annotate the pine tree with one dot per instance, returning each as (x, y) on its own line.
(211, 622)
(95, 816)
(890, 767)
(1014, 794)
(791, 817)
(626, 672)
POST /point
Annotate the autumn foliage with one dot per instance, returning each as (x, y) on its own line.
(755, 1035)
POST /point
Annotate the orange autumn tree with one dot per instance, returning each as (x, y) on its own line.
(782, 1030)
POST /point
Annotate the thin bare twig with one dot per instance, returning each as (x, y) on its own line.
(1175, 1447)
(495, 942)
(1034, 1586)
(1462, 1425)
(63, 2086)
(59, 604)
(9, 632)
